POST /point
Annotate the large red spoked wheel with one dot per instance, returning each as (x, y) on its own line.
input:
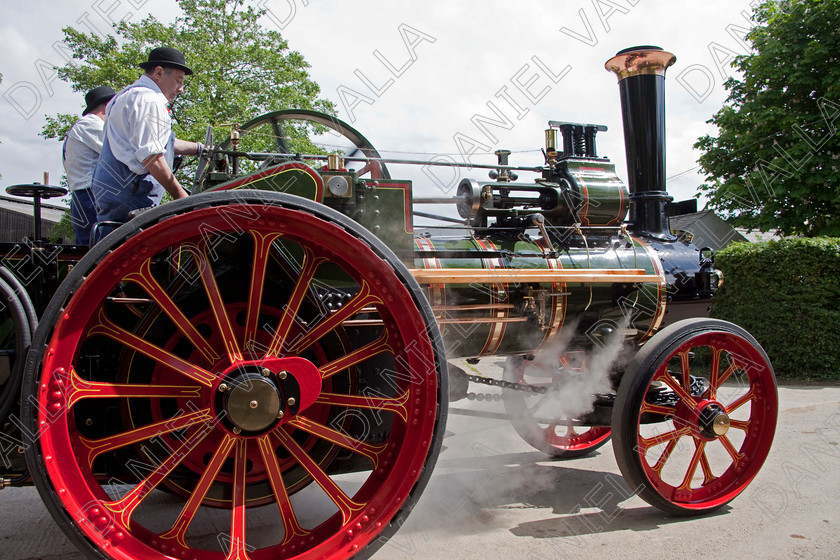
(531, 412)
(695, 416)
(265, 361)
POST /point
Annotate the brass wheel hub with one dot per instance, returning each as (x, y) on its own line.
(252, 398)
(714, 422)
(253, 403)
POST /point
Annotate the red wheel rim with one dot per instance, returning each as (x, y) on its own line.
(575, 438)
(565, 436)
(120, 520)
(683, 459)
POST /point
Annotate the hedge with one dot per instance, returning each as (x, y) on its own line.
(787, 295)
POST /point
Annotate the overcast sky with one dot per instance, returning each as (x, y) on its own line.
(412, 76)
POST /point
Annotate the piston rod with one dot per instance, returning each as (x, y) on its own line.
(267, 155)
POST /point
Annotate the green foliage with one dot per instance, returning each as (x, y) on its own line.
(775, 163)
(241, 69)
(787, 294)
(63, 229)
(58, 126)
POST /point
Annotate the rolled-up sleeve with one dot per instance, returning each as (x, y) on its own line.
(154, 127)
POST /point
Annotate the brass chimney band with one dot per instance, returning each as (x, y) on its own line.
(638, 61)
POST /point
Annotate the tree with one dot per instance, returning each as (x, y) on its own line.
(62, 230)
(775, 163)
(242, 69)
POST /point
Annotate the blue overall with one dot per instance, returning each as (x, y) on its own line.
(82, 214)
(118, 190)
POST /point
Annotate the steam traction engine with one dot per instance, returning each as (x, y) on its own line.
(269, 356)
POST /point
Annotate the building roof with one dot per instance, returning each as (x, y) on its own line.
(707, 229)
(755, 236)
(49, 212)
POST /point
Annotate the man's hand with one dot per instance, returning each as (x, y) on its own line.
(159, 169)
(204, 151)
(184, 148)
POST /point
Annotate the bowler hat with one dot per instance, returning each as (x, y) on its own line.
(96, 97)
(166, 57)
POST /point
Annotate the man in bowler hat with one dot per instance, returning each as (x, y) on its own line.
(79, 154)
(135, 165)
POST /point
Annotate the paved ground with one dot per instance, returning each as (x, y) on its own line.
(492, 497)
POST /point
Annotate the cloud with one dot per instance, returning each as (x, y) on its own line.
(478, 49)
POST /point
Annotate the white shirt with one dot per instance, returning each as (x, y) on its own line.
(81, 151)
(138, 124)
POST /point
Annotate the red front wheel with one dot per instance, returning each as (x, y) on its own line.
(264, 361)
(695, 415)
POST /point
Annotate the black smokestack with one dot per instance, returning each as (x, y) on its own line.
(641, 81)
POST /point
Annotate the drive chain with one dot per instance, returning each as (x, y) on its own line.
(500, 383)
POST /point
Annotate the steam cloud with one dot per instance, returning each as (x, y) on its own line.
(573, 394)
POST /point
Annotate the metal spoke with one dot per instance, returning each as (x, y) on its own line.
(262, 247)
(740, 401)
(237, 516)
(190, 509)
(740, 424)
(145, 279)
(353, 306)
(714, 372)
(666, 454)
(733, 367)
(346, 505)
(96, 447)
(217, 305)
(373, 402)
(357, 356)
(307, 273)
(666, 378)
(570, 429)
(692, 465)
(291, 526)
(78, 388)
(708, 476)
(126, 505)
(685, 366)
(106, 328)
(647, 443)
(656, 408)
(736, 457)
(367, 450)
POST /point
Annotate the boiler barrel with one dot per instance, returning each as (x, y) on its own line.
(504, 313)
